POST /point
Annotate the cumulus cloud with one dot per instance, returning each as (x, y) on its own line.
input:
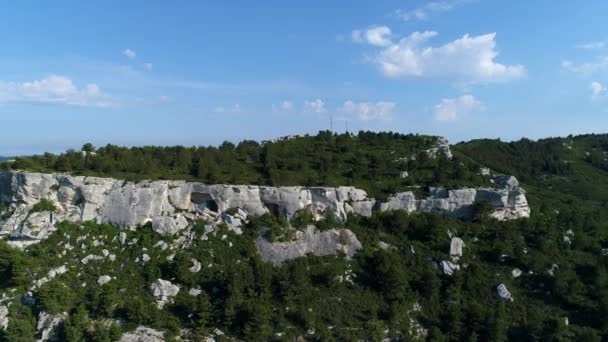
(469, 59)
(452, 109)
(597, 90)
(315, 106)
(375, 35)
(53, 89)
(431, 8)
(130, 53)
(285, 106)
(368, 110)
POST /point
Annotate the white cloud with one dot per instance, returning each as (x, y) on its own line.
(375, 35)
(53, 89)
(587, 69)
(452, 109)
(429, 9)
(470, 59)
(148, 66)
(597, 90)
(285, 106)
(593, 45)
(368, 110)
(130, 53)
(315, 106)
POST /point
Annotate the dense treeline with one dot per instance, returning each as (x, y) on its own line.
(372, 161)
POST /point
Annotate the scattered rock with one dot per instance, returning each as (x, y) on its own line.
(448, 267)
(104, 279)
(196, 266)
(3, 317)
(516, 273)
(164, 291)
(504, 293)
(456, 245)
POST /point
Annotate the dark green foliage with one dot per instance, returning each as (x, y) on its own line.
(44, 205)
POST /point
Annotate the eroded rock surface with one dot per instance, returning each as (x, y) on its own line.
(171, 206)
(310, 241)
(143, 334)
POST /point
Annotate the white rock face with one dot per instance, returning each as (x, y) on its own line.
(47, 324)
(169, 206)
(311, 240)
(504, 293)
(3, 317)
(509, 203)
(143, 334)
(104, 279)
(164, 291)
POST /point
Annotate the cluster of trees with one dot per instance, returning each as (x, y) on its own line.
(372, 161)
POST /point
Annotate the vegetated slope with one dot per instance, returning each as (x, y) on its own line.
(371, 161)
(400, 285)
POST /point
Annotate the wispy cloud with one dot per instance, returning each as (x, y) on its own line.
(598, 90)
(597, 45)
(587, 69)
(284, 107)
(315, 106)
(368, 110)
(452, 109)
(374, 35)
(429, 9)
(130, 53)
(148, 66)
(53, 89)
(236, 108)
(469, 59)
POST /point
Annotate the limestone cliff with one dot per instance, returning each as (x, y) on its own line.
(170, 206)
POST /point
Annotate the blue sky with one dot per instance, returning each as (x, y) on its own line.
(201, 72)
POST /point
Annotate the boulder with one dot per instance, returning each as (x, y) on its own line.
(164, 291)
(196, 267)
(456, 245)
(504, 293)
(448, 268)
(104, 279)
(516, 273)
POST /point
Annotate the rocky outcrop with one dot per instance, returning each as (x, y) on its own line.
(164, 291)
(310, 241)
(170, 206)
(143, 334)
(509, 202)
(48, 324)
(3, 317)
